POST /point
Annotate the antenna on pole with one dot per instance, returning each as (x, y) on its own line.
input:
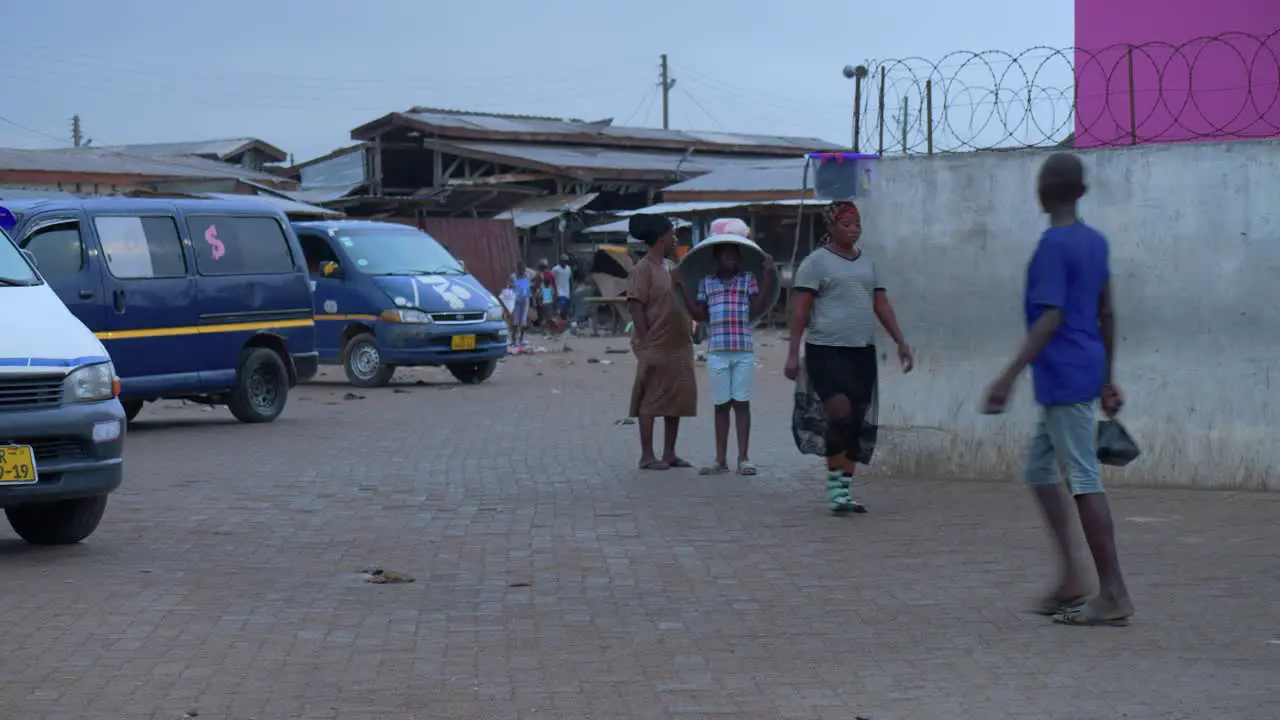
(666, 83)
(75, 130)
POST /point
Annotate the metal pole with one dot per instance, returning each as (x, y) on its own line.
(928, 109)
(1133, 109)
(857, 112)
(666, 94)
(881, 114)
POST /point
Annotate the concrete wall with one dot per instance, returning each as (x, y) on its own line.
(1195, 238)
(1183, 89)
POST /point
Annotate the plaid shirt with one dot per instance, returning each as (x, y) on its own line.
(728, 310)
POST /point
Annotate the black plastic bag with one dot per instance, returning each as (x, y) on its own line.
(1116, 447)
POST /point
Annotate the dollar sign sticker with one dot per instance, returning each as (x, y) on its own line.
(211, 237)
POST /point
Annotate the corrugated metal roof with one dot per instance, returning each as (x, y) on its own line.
(221, 149)
(785, 174)
(545, 129)
(623, 226)
(537, 210)
(679, 208)
(111, 162)
(323, 194)
(345, 168)
(287, 206)
(585, 157)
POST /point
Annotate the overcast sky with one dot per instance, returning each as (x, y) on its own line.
(302, 73)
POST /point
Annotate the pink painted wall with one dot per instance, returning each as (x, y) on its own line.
(1184, 88)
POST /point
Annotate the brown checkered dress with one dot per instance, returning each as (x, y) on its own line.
(665, 385)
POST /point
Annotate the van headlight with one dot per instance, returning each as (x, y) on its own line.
(403, 315)
(494, 313)
(91, 383)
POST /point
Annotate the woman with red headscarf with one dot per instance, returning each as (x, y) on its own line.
(840, 298)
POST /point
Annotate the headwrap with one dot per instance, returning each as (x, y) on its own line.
(648, 228)
(834, 213)
(730, 226)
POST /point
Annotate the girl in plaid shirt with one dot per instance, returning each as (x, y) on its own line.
(725, 302)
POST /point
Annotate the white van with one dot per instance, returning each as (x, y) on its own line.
(61, 426)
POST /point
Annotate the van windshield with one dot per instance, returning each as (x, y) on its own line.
(14, 269)
(397, 252)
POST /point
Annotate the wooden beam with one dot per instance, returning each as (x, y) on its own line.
(498, 179)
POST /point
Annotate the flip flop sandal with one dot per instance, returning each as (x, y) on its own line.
(714, 470)
(1087, 616)
(746, 467)
(654, 465)
(679, 463)
(1054, 605)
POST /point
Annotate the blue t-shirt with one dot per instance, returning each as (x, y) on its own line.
(520, 283)
(1069, 270)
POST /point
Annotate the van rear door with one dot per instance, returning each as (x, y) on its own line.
(249, 283)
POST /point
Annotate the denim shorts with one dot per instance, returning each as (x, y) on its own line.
(730, 375)
(1066, 440)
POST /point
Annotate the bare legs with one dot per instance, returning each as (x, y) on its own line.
(670, 432)
(741, 412)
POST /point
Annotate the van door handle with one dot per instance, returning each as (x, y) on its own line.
(117, 297)
(86, 294)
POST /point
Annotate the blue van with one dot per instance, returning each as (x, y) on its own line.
(203, 300)
(389, 295)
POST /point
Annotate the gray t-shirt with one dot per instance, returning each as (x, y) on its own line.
(843, 311)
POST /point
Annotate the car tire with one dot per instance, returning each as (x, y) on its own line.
(65, 522)
(131, 408)
(473, 373)
(262, 386)
(363, 363)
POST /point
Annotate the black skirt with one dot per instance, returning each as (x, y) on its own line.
(853, 372)
(848, 371)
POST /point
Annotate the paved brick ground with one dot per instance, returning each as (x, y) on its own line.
(553, 581)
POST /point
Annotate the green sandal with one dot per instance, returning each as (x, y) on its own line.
(838, 495)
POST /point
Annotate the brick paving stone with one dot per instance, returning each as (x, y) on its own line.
(555, 581)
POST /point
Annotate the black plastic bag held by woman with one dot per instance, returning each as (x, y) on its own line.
(1116, 447)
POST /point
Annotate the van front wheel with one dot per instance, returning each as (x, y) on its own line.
(262, 387)
(65, 522)
(473, 373)
(131, 409)
(363, 363)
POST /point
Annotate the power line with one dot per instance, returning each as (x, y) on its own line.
(699, 105)
(32, 130)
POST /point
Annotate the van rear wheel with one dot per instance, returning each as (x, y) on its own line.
(473, 373)
(363, 363)
(65, 522)
(262, 386)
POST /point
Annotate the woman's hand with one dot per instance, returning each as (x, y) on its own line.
(792, 368)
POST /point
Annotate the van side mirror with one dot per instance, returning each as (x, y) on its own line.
(330, 269)
(462, 264)
(31, 258)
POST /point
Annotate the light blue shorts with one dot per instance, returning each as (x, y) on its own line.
(1066, 440)
(730, 375)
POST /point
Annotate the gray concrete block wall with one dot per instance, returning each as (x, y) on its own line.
(1195, 239)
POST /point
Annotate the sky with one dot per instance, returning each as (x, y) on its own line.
(301, 74)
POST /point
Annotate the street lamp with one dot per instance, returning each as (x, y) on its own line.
(856, 74)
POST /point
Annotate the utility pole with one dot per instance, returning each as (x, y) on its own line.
(75, 130)
(666, 83)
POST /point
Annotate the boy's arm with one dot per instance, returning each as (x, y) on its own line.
(1046, 288)
(1041, 332)
(697, 304)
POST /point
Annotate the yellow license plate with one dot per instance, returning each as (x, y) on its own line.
(464, 342)
(17, 465)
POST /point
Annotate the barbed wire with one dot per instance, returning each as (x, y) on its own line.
(1222, 86)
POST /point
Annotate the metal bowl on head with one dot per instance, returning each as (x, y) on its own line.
(699, 263)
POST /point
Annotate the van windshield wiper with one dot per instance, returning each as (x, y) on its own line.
(16, 282)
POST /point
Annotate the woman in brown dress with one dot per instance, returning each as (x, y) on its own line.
(663, 344)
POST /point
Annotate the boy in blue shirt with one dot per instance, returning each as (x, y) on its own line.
(523, 287)
(1070, 345)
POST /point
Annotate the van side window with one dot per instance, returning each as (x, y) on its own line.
(141, 247)
(317, 251)
(58, 250)
(228, 245)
